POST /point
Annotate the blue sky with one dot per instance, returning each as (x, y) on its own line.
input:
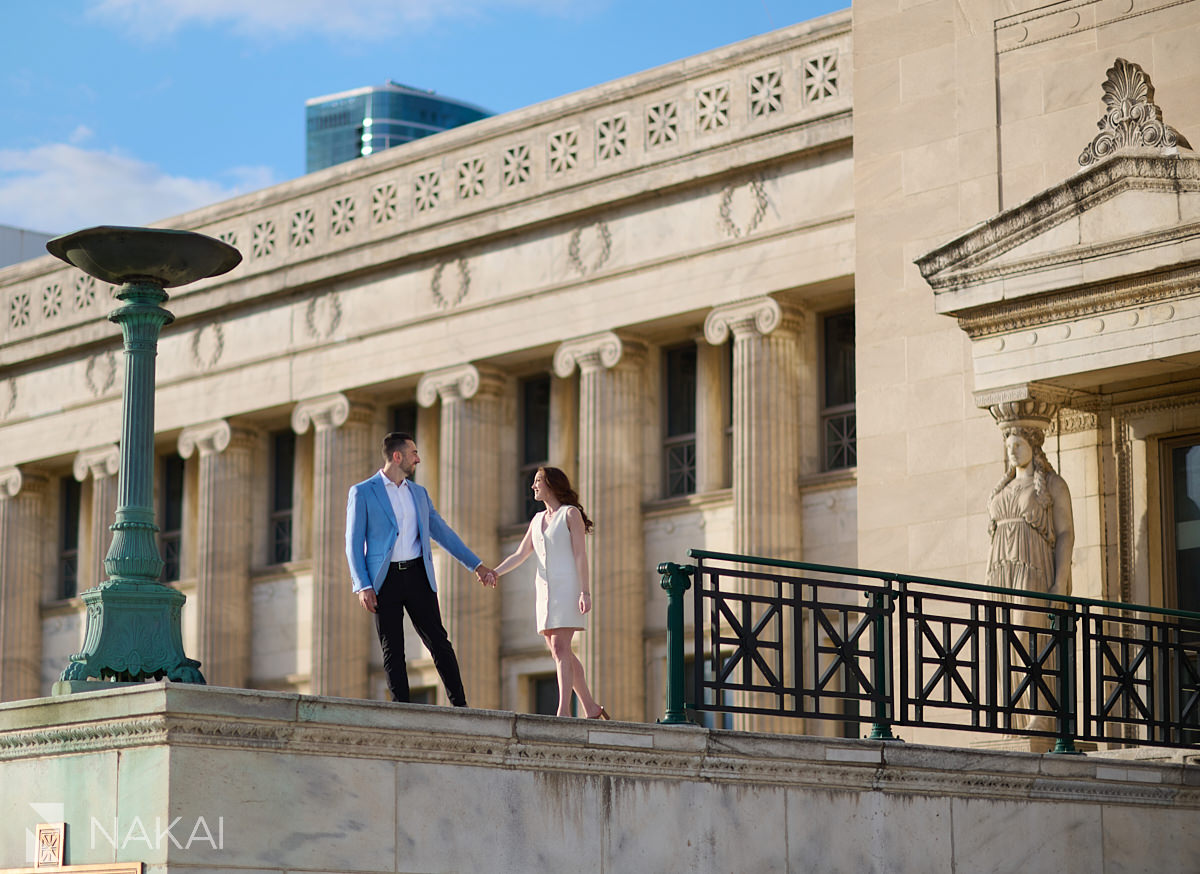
(130, 111)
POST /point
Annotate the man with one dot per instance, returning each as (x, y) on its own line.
(390, 522)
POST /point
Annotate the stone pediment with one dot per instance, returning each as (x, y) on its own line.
(1112, 229)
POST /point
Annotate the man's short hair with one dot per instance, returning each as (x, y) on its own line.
(394, 441)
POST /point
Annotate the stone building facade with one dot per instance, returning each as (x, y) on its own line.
(661, 284)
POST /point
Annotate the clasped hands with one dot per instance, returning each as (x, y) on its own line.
(486, 575)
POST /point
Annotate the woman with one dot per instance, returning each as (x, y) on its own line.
(555, 535)
(1032, 529)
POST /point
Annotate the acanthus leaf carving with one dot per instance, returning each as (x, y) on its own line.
(1131, 118)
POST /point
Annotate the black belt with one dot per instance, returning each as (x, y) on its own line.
(406, 565)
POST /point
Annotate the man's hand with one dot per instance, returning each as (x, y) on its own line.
(366, 597)
(486, 575)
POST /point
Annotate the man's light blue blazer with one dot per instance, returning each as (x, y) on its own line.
(371, 532)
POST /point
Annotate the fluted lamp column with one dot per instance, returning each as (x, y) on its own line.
(222, 549)
(343, 454)
(767, 518)
(469, 496)
(21, 500)
(610, 487)
(133, 625)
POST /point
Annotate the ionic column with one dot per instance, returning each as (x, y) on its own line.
(712, 412)
(102, 464)
(564, 424)
(21, 537)
(766, 424)
(767, 518)
(343, 453)
(610, 480)
(469, 494)
(223, 539)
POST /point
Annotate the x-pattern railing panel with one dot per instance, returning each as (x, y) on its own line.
(815, 641)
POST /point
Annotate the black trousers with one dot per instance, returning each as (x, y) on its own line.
(409, 590)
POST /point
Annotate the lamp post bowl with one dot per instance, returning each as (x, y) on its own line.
(166, 258)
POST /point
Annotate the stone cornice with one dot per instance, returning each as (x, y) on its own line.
(289, 724)
(324, 227)
(761, 315)
(100, 461)
(949, 267)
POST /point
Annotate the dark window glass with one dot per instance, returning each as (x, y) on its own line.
(679, 446)
(1185, 524)
(404, 418)
(535, 436)
(68, 540)
(839, 433)
(283, 471)
(545, 695)
(707, 718)
(172, 516)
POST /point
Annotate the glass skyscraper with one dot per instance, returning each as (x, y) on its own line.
(363, 121)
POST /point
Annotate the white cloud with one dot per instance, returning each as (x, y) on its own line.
(360, 19)
(81, 134)
(60, 188)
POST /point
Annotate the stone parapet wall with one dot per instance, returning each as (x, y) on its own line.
(315, 784)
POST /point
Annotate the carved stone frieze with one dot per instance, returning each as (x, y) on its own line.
(8, 397)
(101, 372)
(1119, 296)
(323, 315)
(598, 246)
(449, 293)
(208, 342)
(1131, 118)
(948, 266)
(740, 219)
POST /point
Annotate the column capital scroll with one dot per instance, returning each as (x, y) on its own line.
(605, 349)
(11, 481)
(462, 381)
(212, 438)
(328, 411)
(98, 461)
(760, 315)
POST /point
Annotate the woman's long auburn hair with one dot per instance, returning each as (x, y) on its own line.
(561, 486)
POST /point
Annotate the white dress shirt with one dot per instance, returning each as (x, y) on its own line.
(408, 543)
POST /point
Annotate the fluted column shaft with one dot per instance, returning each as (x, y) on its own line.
(712, 414)
(564, 424)
(766, 452)
(610, 480)
(102, 465)
(766, 424)
(469, 494)
(223, 546)
(343, 454)
(21, 525)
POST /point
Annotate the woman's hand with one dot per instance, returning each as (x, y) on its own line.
(585, 602)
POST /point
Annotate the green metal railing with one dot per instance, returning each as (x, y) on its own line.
(824, 642)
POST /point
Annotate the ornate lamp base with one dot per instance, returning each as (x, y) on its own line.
(133, 634)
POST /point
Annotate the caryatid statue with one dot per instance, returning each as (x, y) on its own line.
(1032, 528)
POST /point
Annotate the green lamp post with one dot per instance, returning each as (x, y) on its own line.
(133, 620)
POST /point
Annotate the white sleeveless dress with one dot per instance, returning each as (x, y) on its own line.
(557, 581)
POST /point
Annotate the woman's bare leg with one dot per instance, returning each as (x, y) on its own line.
(570, 672)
